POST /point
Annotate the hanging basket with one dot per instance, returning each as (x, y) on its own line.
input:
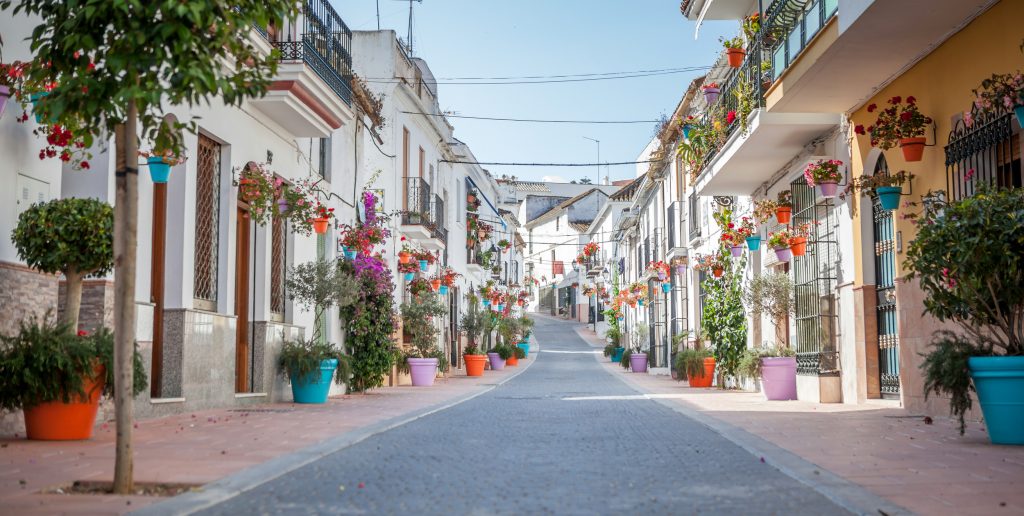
(159, 170)
(783, 214)
(717, 272)
(711, 95)
(404, 257)
(828, 189)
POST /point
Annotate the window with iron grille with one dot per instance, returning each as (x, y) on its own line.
(278, 259)
(987, 150)
(814, 279)
(322, 158)
(207, 223)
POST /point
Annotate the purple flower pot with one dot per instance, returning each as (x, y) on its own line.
(5, 93)
(736, 250)
(423, 371)
(784, 254)
(711, 95)
(497, 363)
(828, 190)
(282, 205)
(638, 362)
(661, 276)
(680, 269)
(778, 375)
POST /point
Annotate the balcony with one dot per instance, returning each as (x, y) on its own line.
(700, 10)
(423, 215)
(676, 236)
(311, 93)
(595, 265)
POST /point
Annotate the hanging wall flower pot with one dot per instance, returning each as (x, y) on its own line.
(320, 225)
(1019, 111)
(783, 214)
(470, 243)
(736, 250)
(350, 254)
(250, 189)
(443, 290)
(662, 276)
(889, 196)
(159, 170)
(711, 95)
(35, 98)
(798, 245)
(424, 265)
(686, 131)
(486, 302)
(717, 272)
(681, 269)
(784, 254)
(754, 242)
(5, 93)
(735, 56)
(282, 205)
(828, 189)
(666, 287)
(913, 148)
(404, 257)
(640, 302)
(409, 276)
(435, 285)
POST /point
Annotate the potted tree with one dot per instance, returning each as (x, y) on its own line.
(968, 260)
(309, 366)
(423, 359)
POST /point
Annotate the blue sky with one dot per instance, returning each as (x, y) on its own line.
(487, 38)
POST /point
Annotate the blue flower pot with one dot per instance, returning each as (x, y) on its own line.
(501, 307)
(1019, 111)
(443, 290)
(409, 276)
(666, 287)
(487, 302)
(525, 347)
(315, 386)
(686, 131)
(617, 356)
(754, 242)
(35, 102)
(350, 255)
(1000, 385)
(423, 265)
(159, 170)
(640, 302)
(889, 196)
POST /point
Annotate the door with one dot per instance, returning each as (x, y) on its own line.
(242, 230)
(885, 288)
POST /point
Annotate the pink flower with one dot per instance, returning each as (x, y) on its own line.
(968, 119)
(969, 175)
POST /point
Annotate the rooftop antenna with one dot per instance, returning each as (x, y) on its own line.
(408, 38)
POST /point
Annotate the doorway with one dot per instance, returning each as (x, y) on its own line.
(242, 351)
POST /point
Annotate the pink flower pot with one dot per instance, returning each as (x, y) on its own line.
(736, 250)
(828, 190)
(778, 376)
(638, 362)
(423, 371)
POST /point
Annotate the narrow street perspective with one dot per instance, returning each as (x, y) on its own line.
(532, 257)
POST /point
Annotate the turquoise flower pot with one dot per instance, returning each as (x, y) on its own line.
(423, 265)
(686, 131)
(889, 196)
(640, 302)
(487, 302)
(525, 347)
(754, 242)
(443, 290)
(409, 276)
(350, 255)
(1019, 111)
(666, 287)
(1000, 385)
(315, 386)
(617, 356)
(35, 102)
(159, 171)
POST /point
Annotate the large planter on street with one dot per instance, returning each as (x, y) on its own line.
(475, 364)
(708, 375)
(422, 371)
(512, 361)
(778, 376)
(497, 363)
(313, 388)
(617, 356)
(638, 362)
(1000, 385)
(525, 346)
(58, 421)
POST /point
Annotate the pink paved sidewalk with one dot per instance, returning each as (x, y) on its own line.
(926, 468)
(204, 446)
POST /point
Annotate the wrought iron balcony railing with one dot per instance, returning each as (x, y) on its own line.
(416, 208)
(326, 47)
(790, 28)
(436, 222)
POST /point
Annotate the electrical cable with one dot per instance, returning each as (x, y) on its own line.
(498, 119)
(514, 77)
(518, 164)
(543, 81)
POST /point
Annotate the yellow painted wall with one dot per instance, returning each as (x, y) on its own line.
(942, 84)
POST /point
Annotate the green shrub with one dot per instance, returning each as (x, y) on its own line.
(301, 358)
(690, 362)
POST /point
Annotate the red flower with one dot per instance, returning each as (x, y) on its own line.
(911, 100)
(906, 116)
(859, 129)
(730, 117)
(896, 100)
(82, 333)
(872, 108)
(85, 165)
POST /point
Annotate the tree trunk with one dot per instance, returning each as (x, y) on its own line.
(72, 298)
(125, 245)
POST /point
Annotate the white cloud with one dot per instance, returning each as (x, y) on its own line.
(553, 179)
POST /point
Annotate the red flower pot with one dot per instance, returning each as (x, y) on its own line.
(404, 257)
(717, 271)
(798, 245)
(735, 56)
(913, 148)
(435, 284)
(783, 214)
(320, 225)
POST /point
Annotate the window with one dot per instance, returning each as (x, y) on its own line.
(430, 176)
(423, 159)
(694, 216)
(814, 283)
(323, 155)
(557, 223)
(405, 152)
(987, 151)
(278, 259)
(207, 223)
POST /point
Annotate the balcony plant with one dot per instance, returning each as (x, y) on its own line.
(160, 163)
(968, 261)
(711, 92)
(887, 187)
(751, 26)
(745, 98)
(825, 174)
(424, 358)
(899, 124)
(784, 207)
(749, 232)
(780, 242)
(697, 366)
(1000, 92)
(57, 375)
(801, 232)
(309, 366)
(734, 50)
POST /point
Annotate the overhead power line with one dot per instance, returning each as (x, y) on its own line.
(516, 77)
(516, 164)
(544, 81)
(539, 121)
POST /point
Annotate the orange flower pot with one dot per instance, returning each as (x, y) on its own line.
(798, 245)
(718, 271)
(435, 284)
(783, 214)
(57, 421)
(320, 225)
(735, 56)
(404, 257)
(512, 360)
(475, 364)
(913, 148)
(705, 379)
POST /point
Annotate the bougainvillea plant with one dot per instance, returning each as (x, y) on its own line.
(997, 93)
(902, 119)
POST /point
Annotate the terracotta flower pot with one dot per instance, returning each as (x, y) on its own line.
(706, 376)
(512, 361)
(717, 271)
(58, 421)
(783, 214)
(913, 148)
(320, 225)
(470, 243)
(735, 56)
(435, 284)
(798, 245)
(404, 257)
(249, 189)
(475, 364)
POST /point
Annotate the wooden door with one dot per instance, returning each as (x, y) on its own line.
(242, 230)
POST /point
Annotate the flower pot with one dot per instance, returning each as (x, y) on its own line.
(282, 205)
(711, 95)
(754, 242)
(666, 287)
(617, 356)
(680, 269)
(913, 148)
(1019, 111)
(798, 245)
(640, 302)
(778, 376)
(525, 346)
(735, 56)
(159, 170)
(828, 189)
(350, 254)
(35, 97)
(638, 362)
(482, 235)
(404, 257)
(1000, 385)
(435, 285)
(497, 363)
(717, 272)
(409, 276)
(783, 214)
(736, 250)
(58, 421)
(513, 361)
(475, 364)
(487, 302)
(249, 189)
(470, 243)
(422, 371)
(784, 254)
(501, 307)
(889, 196)
(320, 225)
(5, 93)
(313, 388)
(707, 375)
(686, 131)
(423, 265)
(443, 290)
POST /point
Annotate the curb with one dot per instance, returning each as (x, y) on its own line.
(250, 478)
(842, 492)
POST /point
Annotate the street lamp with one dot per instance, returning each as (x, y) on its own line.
(598, 142)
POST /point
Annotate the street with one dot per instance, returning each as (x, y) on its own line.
(539, 444)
